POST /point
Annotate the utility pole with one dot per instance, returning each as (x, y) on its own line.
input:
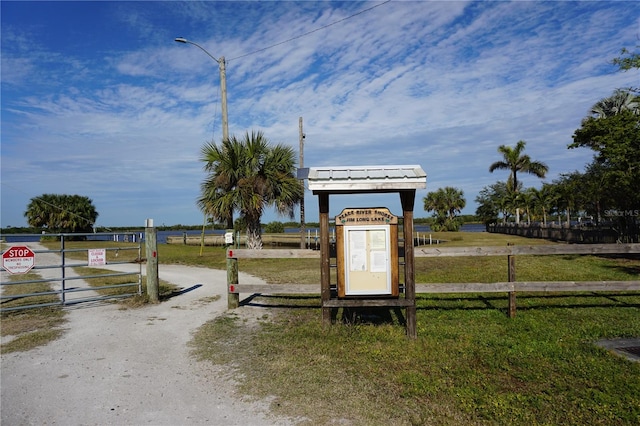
(301, 165)
(223, 89)
(233, 298)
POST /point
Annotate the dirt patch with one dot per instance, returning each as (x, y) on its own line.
(133, 366)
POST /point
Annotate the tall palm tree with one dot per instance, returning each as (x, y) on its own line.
(515, 161)
(248, 175)
(621, 100)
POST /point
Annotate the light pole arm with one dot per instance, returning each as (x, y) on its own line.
(223, 84)
(184, 40)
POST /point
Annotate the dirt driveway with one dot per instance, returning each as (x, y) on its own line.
(130, 367)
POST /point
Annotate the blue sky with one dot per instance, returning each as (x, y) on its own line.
(99, 100)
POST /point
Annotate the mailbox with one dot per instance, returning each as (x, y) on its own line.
(367, 252)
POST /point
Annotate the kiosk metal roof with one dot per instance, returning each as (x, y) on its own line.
(350, 179)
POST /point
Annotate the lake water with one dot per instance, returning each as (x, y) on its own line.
(469, 227)
(162, 235)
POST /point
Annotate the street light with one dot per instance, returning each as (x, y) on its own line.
(223, 85)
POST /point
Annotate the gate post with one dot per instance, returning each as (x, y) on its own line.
(151, 246)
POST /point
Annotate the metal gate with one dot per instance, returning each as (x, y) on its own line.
(67, 269)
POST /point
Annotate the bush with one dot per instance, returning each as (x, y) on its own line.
(274, 228)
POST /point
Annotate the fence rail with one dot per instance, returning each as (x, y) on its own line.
(511, 287)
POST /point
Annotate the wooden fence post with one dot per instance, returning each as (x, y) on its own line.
(151, 248)
(233, 297)
(511, 262)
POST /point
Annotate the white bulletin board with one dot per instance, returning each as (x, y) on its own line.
(367, 252)
(367, 260)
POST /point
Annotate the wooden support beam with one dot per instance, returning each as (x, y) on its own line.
(407, 198)
(325, 267)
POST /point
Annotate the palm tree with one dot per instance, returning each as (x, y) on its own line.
(543, 200)
(248, 175)
(568, 192)
(621, 100)
(526, 199)
(446, 203)
(223, 162)
(515, 161)
(61, 213)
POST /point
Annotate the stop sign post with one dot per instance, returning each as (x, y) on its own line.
(18, 259)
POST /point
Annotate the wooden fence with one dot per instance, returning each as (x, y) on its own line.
(511, 286)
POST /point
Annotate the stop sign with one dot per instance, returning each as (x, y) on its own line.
(18, 259)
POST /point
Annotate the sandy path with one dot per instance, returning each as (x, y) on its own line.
(130, 367)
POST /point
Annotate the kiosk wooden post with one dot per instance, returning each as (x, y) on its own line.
(407, 199)
(325, 266)
(358, 180)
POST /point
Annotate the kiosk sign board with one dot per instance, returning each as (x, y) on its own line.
(367, 252)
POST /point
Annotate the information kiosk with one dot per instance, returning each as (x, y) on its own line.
(367, 280)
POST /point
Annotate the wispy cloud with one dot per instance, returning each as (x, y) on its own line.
(120, 114)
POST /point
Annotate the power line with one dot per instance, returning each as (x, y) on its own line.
(310, 32)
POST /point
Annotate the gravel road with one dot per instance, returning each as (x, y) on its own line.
(130, 367)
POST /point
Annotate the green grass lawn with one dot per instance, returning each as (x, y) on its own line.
(470, 364)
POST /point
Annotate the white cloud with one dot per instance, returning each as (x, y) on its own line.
(441, 84)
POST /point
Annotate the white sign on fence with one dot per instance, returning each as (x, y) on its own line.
(97, 257)
(228, 238)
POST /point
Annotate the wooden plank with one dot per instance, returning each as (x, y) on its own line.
(545, 249)
(362, 303)
(278, 288)
(529, 286)
(549, 286)
(466, 287)
(440, 251)
(499, 287)
(273, 254)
